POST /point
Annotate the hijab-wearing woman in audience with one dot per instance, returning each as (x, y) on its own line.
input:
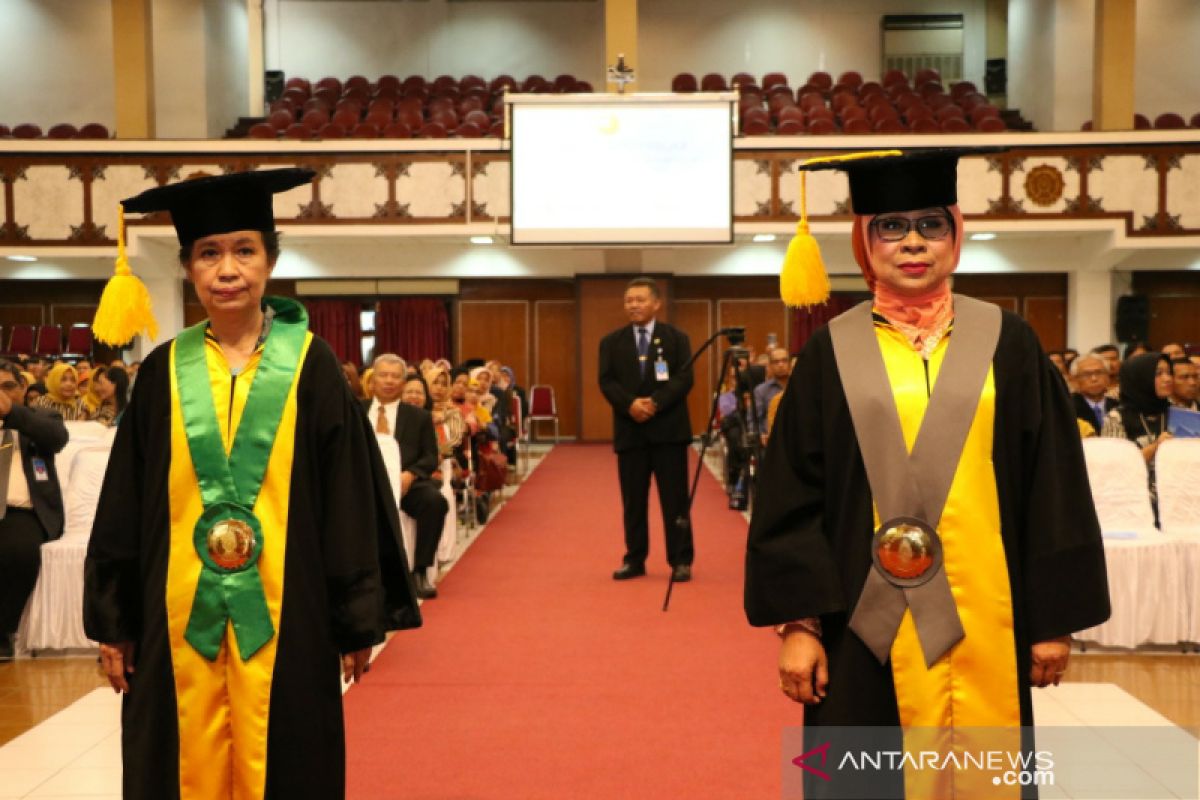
(416, 393)
(112, 392)
(447, 419)
(34, 391)
(1141, 417)
(352, 378)
(62, 393)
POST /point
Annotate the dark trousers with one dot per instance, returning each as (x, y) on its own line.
(668, 464)
(21, 537)
(425, 504)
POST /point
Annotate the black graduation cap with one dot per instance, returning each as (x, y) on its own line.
(201, 207)
(883, 181)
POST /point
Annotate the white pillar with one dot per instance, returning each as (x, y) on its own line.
(255, 59)
(1090, 309)
(166, 296)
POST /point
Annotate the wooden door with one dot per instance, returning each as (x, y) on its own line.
(1048, 318)
(694, 317)
(556, 361)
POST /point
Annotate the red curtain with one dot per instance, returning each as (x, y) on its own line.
(805, 321)
(413, 328)
(338, 322)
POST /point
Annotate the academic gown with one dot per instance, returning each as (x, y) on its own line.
(332, 569)
(1022, 544)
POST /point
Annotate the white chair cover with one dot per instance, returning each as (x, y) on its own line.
(1177, 470)
(1145, 581)
(445, 550)
(390, 449)
(53, 618)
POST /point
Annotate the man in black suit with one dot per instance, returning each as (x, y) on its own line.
(420, 496)
(641, 376)
(33, 508)
(1092, 402)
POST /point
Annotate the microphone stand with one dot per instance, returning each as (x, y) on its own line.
(681, 522)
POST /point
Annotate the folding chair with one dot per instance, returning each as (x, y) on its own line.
(542, 408)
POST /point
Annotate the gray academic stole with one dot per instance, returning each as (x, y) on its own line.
(910, 490)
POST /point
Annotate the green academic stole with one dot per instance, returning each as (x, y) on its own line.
(228, 536)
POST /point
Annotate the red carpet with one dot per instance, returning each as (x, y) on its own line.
(538, 676)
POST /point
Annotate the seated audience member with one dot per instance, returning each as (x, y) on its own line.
(33, 510)
(1141, 416)
(350, 370)
(38, 367)
(33, 392)
(83, 375)
(1112, 357)
(1186, 382)
(510, 385)
(1091, 400)
(62, 393)
(420, 496)
(1195, 359)
(1135, 349)
(448, 421)
(368, 383)
(112, 391)
(1069, 355)
(779, 367)
(1173, 350)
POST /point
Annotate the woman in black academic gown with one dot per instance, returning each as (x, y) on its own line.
(245, 545)
(1005, 557)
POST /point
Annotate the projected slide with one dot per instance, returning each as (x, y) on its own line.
(621, 172)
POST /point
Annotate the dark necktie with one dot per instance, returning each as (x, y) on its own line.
(6, 457)
(1099, 411)
(643, 345)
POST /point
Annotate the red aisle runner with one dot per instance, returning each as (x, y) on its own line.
(538, 676)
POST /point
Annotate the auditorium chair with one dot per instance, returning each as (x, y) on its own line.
(468, 130)
(378, 119)
(684, 82)
(397, 130)
(297, 131)
(299, 84)
(331, 83)
(856, 125)
(63, 130)
(894, 77)
(583, 87)
(977, 113)
(536, 84)
(432, 130)
(772, 79)
(955, 125)
(871, 88)
(755, 126)
(991, 125)
(821, 80)
(542, 408)
(851, 113)
(712, 82)
(945, 112)
(479, 119)
(389, 84)
(413, 119)
(497, 129)
(926, 75)
(79, 341)
(821, 126)
(5, 132)
(741, 79)
(262, 130)
(279, 120)
(314, 120)
(789, 127)
(21, 339)
(791, 113)
(820, 112)
(413, 82)
(924, 125)
(469, 104)
(27, 130)
(564, 83)
(469, 82)
(49, 340)
(345, 118)
(365, 130)
(890, 125)
(778, 102)
(851, 78)
(1169, 120)
(1195, 120)
(332, 130)
(358, 81)
(502, 83)
(1141, 122)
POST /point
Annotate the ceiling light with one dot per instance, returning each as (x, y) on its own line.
(22, 258)
(764, 237)
(481, 240)
(982, 237)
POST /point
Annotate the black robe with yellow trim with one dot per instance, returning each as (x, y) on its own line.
(809, 543)
(335, 578)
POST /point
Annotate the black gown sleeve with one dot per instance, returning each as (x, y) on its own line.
(112, 581)
(366, 574)
(790, 571)
(1065, 579)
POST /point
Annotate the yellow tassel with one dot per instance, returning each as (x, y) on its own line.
(125, 309)
(803, 280)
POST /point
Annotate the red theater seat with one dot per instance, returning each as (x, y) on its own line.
(955, 125)
(774, 79)
(365, 130)
(298, 130)
(851, 79)
(27, 130)
(49, 340)
(332, 131)
(890, 125)
(755, 127)
(1141, 122)
(262, 130)
(432, 130)
(684, 82)
(789, 127)
(63, 130)
(397, 130)
(741, 79)
(856, 125)
(821, 126)
(924, 125)
(991, 125)
(1169, 120)
(712, 82)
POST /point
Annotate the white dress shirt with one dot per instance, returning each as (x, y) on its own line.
(389, 409)
(18, 487)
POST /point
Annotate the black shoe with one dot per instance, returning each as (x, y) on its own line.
(681, 573)
(628, 571)
(424, 589)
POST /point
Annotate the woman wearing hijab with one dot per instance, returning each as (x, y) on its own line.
(62, 393)
(1141, 415)
(245, 553)
(922, 502)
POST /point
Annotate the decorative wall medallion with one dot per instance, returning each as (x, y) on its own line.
(315, 210)
(1044, 185)
(391, 209)
(763, 166)
(764, 209)
(842, 209)
(479, 210)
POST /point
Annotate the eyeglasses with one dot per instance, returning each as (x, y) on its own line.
(895, 229)
(1092, 373)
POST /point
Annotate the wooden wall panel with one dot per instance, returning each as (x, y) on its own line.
(600, 311)
(1007, 303)
(494, 329)
(1174, 319)
(694, 317)
(760, 317)
(1048, 318)
(556, 361)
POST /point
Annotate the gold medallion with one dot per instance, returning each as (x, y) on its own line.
(905, 551)
(231, 543)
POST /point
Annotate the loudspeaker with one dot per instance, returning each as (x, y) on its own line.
(274, 85)
(1133, 318)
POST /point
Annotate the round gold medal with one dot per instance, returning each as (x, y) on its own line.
(905, 551)
(230, 543)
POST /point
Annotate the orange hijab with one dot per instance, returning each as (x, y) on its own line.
(925, 312)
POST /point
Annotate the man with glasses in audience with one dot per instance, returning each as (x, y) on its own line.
(1187, 383)
(33, 509)
(779, 367)
(1092, 402)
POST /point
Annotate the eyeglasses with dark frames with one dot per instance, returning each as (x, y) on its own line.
(894, 229)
